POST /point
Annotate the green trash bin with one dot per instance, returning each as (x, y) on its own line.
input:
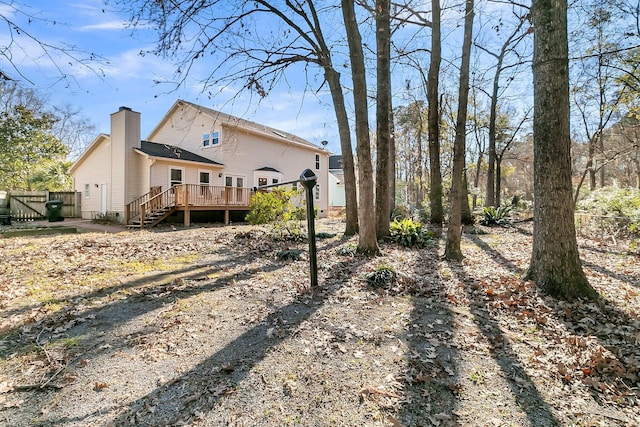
(54, 210)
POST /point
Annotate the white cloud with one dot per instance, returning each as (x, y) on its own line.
(116, 25)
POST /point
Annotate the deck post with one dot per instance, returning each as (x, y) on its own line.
(187, 212)
(143, 214)
(226, 205)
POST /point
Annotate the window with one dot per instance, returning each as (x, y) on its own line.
(205, 178)
(275, 181)
(210, 139)
(175, 177)
(205, 181)
(262, 181)
(87, 190)
(317, 161)
(317, 192)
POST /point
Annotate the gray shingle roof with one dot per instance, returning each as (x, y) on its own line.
(165, 151)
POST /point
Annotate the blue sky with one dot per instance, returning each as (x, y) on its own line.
(126, 78)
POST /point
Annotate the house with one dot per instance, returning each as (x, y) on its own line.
(337, 197)
(195, 159)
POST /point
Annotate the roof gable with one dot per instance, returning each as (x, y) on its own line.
(90, 149)
(228, 120)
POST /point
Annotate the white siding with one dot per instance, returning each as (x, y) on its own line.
(95, 171)
(242, 152)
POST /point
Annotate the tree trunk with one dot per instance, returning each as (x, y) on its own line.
(555, 262)
(383, 116)
(367, 242)
(351, 199)
(467, 217)
(435, 175)
(454, 230)
(498, 198)
(392, 163)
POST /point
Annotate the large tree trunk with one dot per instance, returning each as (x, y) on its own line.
(367, 242)
(351, 199)
(435, 174)
(454, 229)
(555, 262)
(383, 117)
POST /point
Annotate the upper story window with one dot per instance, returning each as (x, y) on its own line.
(210, 139)
(317, 161)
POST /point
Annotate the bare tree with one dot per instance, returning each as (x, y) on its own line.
(454, 229)
(508, 46)
(555, 262)
(435, 173)
(367, 242)
(19, 36)
(383, 118)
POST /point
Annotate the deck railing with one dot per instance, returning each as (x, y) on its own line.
(187, 196)
(211, 196)
(132, 210)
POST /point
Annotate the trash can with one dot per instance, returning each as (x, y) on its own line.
(54, 210)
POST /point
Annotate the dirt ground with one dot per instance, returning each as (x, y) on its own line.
(207, 326)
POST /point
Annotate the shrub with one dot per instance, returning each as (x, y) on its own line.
(382, 277)
(624, 202)
(492, 216)
(409, 233)
(619, 211)
(279, 208)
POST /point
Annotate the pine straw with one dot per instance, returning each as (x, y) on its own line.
(207, 327)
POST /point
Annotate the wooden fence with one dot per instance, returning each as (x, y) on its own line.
(31, 205)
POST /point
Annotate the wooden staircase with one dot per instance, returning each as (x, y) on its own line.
(151, 208)
(152, 218)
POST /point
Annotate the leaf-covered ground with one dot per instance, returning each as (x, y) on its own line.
(208, 327)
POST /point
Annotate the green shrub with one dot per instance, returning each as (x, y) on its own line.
(617, 213)
(409, 233)
(615, 201)
(495, 216)
(280, 208)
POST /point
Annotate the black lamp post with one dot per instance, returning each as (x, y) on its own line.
(308, 179)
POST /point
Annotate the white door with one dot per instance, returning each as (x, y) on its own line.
(103, 199)
(234, 184)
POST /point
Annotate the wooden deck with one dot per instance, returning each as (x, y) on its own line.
(156, 205)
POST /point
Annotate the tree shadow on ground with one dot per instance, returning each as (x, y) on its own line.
(495, 254)
(92, 318)
(228, 366)
(612, 380)
(196, 391)
(430, 380)
(520, 383)
(632, 280)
